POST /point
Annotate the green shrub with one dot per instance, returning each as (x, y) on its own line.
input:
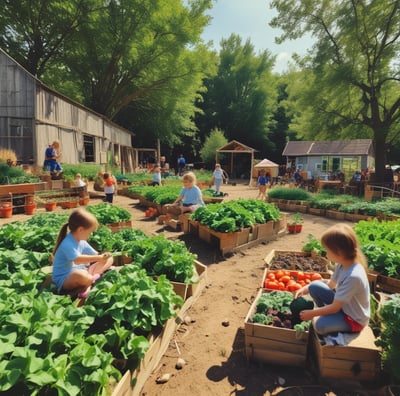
(291, 194)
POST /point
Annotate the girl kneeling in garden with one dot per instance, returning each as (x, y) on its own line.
(76, 265)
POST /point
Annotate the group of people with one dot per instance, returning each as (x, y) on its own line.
(342, 303)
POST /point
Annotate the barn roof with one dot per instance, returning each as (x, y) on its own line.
(235, 146)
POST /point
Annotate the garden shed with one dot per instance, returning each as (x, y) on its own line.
(240, 160)
(32, 116)
(319, 158)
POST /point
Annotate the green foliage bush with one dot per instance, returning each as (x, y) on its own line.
(291, 194)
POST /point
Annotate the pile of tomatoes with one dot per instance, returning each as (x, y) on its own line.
(151, 212)
(289, 280)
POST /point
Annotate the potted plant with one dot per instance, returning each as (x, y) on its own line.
(6, 209)
(50, 205)
(30, 204)
(295, 223)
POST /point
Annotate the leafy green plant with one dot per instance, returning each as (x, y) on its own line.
(389, 339)
(108, 214)
(234, 215)
(296, 218)
(290, 194)
(313, 245)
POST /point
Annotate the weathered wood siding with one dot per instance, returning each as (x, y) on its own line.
(32, 116)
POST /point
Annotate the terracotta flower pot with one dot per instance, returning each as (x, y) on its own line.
(50, 206)
(294, 228)
(6, 211)
(30, 209)
(83, 201)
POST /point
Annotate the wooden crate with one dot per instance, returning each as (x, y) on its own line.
(273, 253)
(358, 360)
(263, 231)
(193, 227)
(274, 345)
(186, 290)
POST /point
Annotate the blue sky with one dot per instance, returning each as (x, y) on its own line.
(250, 20)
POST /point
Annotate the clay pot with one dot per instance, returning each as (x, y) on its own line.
(50, 206)
(294, 228)
(30, 209)
(6, 209)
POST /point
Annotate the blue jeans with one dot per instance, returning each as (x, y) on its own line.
(323, 295)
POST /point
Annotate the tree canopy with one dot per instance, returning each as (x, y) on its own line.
(349, 80)
(241, 98)
(140, 63)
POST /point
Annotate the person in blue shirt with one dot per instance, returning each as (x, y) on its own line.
(76, 265)
(263, 181)
(190, 197)
(181, 164)
(218, 178)
(156, 176)
(52, 155)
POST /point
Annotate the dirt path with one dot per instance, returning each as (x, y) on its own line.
(216, 363)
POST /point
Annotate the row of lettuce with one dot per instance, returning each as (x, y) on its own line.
(52, 346)
(345, 203)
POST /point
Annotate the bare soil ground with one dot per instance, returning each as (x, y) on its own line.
(215, 355)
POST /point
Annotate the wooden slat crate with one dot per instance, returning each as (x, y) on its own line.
(273, 345)
(358, 360)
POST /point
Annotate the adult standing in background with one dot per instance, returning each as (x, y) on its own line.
(181, 164)
(52, 154)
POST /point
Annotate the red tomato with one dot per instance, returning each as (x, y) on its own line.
(300, 275)
(272, 285)
(316, 276)
(284, 279)
(279, 274)
(294, 287)
(281, 286)
(271, 276)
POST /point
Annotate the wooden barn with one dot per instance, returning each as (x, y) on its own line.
(32, 116)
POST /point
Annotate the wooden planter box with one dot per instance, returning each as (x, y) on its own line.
(280, 225)
(387, 284)
(273, 253)
(335, 214)
(194, 227)
(120, 225)
(274, 345)
(226, 241)
(358, 360)
(262, 231)
(316, 211)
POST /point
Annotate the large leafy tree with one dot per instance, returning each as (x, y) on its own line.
(140, 63)
(350, 79)
(34, 32)
(241, 98)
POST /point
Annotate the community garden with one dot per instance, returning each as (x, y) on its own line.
(55, 345)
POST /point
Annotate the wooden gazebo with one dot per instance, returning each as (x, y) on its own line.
(233, 148)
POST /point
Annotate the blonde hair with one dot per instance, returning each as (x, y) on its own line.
(78, 218)
(342, 240)
(190, 177)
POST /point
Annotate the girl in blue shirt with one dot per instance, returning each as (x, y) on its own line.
(76, 264)
(190, 197)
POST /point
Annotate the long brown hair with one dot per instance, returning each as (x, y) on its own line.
(342, 240)
(78, 218)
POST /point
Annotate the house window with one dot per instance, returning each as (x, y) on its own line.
(89, 147)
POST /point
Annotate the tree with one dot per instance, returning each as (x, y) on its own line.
(350, 77)
(34, 32)
(140, 63)
(241, 98)
(214, 141)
